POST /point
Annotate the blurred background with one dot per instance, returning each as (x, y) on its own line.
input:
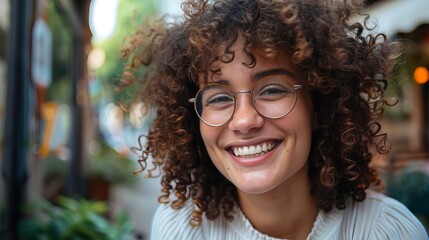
(65, 161)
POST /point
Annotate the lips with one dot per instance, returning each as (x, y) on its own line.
(253, 150)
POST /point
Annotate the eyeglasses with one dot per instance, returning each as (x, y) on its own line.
(273, 97)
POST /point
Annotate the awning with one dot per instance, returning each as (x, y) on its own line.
(399, 16)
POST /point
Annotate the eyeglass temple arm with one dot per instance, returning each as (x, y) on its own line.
(191, 100)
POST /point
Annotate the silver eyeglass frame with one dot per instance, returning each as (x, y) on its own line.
(193, 100)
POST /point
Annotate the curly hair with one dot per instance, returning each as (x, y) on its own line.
(344, 65)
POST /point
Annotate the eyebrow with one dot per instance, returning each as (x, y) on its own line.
(272, 72)
(262, 74)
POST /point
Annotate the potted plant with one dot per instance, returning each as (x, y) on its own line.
(107, 168)
(73, 219)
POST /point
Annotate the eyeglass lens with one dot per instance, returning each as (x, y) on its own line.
(273, 97)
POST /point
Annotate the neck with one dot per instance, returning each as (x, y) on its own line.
(288, 211)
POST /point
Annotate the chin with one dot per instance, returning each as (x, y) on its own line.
(250, 188)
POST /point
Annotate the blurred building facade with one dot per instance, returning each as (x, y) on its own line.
(406, 168)
(42, 107)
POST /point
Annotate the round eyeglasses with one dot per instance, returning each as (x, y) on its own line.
(273, 97)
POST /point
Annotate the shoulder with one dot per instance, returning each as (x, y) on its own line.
(174, 224)
(381, 217)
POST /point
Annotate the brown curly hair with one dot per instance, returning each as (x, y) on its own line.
(345, 68)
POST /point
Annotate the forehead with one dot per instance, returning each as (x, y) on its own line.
(238, 61)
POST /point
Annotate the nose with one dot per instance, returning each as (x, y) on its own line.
(245, 118)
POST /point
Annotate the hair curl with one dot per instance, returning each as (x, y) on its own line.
(345, 70)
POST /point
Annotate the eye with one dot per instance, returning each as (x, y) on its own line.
(220, 99)
(274, 91)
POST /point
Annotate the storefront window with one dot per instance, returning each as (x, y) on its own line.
(51, 75)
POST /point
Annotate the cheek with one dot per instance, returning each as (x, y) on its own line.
(300, 124)
(305, 114)
(210, 136)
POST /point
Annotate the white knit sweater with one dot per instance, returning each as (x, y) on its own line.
(378, 217)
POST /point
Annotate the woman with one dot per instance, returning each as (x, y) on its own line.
(266, 112)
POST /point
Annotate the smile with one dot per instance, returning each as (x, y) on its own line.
(253, 150)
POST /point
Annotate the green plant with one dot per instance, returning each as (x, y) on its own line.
(112, 166)
(73, 220)
(411, 187)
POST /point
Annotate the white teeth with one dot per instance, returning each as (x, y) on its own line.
(235, 151)
(253, 150)
(246, 151)
(258, 148)
(264, 147)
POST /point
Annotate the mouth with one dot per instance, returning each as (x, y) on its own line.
(253, 150)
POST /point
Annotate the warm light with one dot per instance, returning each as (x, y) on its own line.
(96, 58)
(421, 75)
